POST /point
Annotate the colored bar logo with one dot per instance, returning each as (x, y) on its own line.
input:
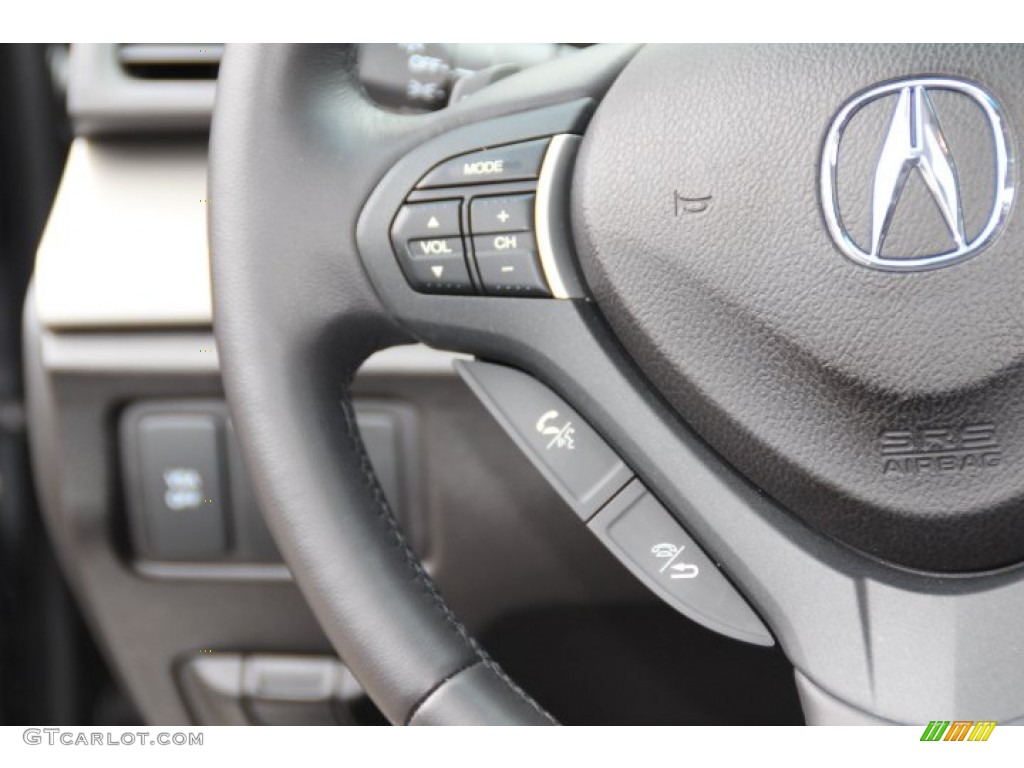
(958, 730)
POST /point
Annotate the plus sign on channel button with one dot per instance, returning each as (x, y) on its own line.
(507, 213)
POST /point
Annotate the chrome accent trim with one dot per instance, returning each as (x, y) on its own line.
(559, 152)
(915, 140)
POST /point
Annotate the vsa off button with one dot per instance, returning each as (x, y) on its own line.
(513, 162)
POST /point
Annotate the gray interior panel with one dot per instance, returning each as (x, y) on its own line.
(500, 539)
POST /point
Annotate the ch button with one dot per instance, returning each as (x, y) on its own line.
(504, 213)
(508, 264)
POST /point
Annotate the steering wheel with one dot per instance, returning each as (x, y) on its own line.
(780, 285)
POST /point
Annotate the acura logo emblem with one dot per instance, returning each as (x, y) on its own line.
(915, 144)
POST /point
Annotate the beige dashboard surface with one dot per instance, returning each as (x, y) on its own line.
(125, 244)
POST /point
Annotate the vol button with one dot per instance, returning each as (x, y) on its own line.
(421, 220)
(437, 265)
(438, 247)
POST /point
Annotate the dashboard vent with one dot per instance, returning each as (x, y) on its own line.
(170, 61)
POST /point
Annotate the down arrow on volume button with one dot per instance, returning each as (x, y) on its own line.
(427, 238)
(438, 265)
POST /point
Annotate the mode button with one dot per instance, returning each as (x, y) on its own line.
(513, 162)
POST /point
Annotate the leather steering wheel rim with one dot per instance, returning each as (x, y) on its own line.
(296, 147)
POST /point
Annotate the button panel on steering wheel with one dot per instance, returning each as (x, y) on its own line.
(477, 223)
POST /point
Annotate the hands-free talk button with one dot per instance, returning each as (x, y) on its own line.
(566, 450)
(650, 543)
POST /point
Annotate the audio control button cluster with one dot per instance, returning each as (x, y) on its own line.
(469, 226)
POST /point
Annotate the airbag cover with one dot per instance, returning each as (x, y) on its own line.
(884, 408)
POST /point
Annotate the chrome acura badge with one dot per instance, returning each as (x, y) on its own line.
(915, 143)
